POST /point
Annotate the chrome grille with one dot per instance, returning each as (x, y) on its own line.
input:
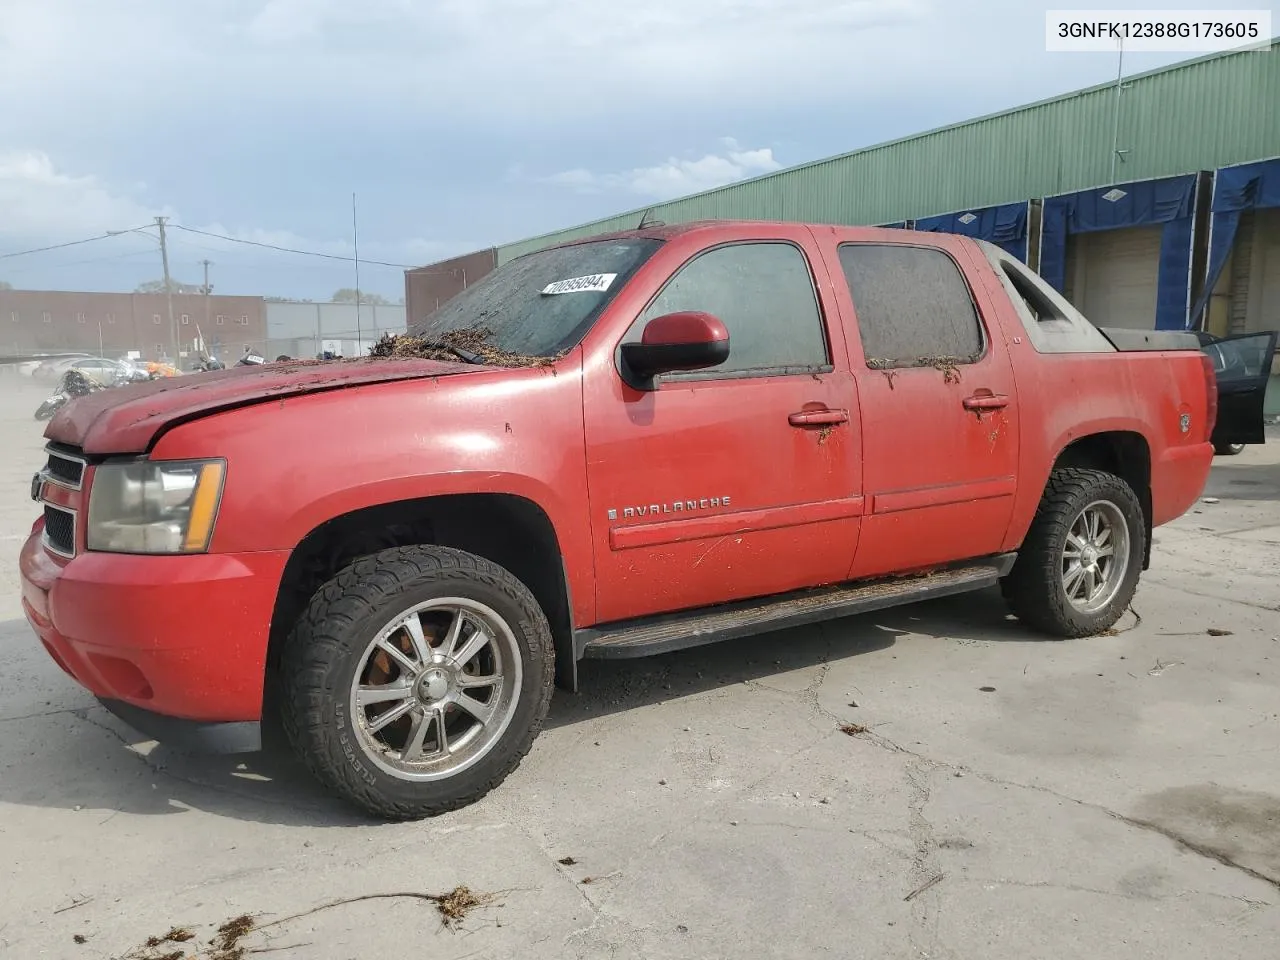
(59, 530)
(65, 468)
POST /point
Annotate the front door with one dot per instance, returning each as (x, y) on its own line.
(939, 408)
(738, 481)
(1243, 368)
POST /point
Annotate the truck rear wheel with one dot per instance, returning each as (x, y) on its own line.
(1079, 565)
(416, 680)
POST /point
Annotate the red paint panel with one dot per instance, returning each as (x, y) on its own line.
(727, 524)
(939, 475)
(193, 628)
(955, 493)
(698, 438)
(128, 419)
(297, 463)
(689, 327)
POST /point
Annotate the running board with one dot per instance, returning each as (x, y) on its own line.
(662, 634)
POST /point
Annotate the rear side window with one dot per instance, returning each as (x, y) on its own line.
(1040, 306)
(763, 293)
(913, 305)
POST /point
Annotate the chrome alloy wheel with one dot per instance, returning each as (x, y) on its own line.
(1095, 557)
(436, 689)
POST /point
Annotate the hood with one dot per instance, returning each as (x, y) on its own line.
(128, 419)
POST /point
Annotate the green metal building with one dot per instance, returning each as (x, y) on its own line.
(1197, 115)
(1132, 199)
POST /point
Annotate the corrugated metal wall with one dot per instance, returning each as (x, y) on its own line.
(1198, 115)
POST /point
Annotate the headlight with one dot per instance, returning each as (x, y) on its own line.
(154, 506)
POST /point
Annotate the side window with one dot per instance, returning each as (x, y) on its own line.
(1039, 305)
(913, 305)
(763, 293)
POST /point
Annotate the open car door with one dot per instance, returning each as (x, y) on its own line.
(1243, 366)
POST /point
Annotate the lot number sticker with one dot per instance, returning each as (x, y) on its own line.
(595, 283)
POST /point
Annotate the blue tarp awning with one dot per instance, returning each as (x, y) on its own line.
(899, 225)
(1235, 189)
(1169, 201)
(1004, 225)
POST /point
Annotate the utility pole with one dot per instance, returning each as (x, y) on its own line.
(355, 247)
(168, 288)
(207, 290)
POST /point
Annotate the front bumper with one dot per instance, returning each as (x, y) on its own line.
(190, 736)
(159, 638)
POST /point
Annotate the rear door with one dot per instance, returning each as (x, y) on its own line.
(1243, 368)
(939, 407)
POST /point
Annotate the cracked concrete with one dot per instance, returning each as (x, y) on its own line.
(1076, 801)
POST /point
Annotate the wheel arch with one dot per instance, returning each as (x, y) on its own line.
(1124, 453)
(507, 529)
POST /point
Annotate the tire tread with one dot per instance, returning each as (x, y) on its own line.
(317, 640)
(1032, 587)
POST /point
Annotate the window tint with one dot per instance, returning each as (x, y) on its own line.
(763, 294)
(912, 305)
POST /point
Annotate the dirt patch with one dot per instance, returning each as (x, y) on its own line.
(227, 942)
(226, 945)
(458, 902)
(175, 935)
(949, 367)
(1240, 828)
(852, 729)
(454, 345)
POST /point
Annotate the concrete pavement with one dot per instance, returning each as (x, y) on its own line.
(1010, 797)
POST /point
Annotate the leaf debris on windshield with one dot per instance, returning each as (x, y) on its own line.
(446, 347)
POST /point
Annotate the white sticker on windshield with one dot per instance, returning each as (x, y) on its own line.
(595, 283)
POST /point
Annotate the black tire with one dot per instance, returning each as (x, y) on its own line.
(1228, 449)
(1034, 588)
(328, 645)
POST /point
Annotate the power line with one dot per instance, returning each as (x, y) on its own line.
(61, 246)
(78, 263)
(273, 246)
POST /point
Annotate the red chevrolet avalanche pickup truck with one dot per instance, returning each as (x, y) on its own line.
(707, 430)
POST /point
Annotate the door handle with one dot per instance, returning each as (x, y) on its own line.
(986, 401)
(818, 418)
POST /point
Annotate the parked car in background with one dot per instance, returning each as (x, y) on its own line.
(1242, 364)
(101, 370)
(52, 368)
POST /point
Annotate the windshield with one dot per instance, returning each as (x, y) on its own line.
(543, 303)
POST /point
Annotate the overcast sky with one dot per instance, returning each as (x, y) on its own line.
(458, 123)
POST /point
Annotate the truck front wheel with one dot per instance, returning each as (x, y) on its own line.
(1078, 568)
(416, 680)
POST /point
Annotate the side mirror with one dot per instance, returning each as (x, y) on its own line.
(675, 341)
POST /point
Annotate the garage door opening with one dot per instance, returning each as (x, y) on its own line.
(1112, 276)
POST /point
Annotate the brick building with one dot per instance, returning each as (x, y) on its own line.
(38, 321)
(426, 289)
